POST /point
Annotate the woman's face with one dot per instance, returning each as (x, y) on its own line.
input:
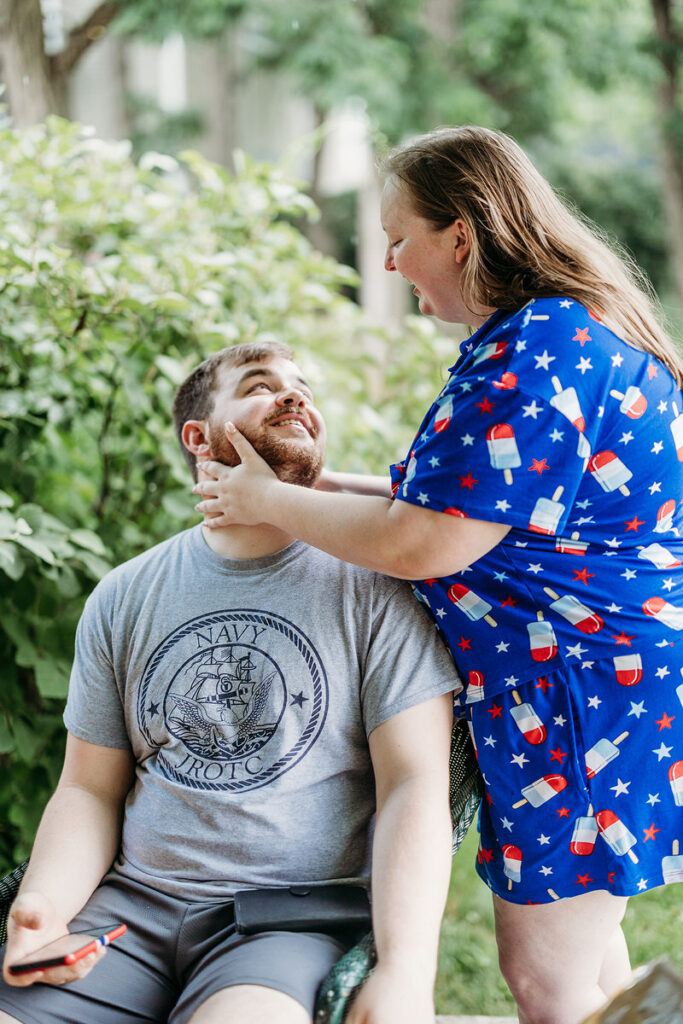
(431, 260)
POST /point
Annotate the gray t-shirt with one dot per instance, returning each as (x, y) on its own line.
(246, 691)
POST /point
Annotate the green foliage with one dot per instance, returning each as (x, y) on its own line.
(117, 280)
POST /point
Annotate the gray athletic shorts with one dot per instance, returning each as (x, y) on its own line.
(172, 958)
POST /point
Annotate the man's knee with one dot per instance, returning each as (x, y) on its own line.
(254, 1003)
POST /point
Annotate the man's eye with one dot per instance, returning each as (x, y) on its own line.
(261, 384)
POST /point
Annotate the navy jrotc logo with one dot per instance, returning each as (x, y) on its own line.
(232, 700)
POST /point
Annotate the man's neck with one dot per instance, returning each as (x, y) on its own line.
(246, 541)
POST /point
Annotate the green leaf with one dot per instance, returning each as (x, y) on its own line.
(11, 562)
(89, 540)
(37, 547)
(5, 500)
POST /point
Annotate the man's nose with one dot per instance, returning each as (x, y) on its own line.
(389, 259)
(291, 396)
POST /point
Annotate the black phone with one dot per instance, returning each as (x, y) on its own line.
(68, 949)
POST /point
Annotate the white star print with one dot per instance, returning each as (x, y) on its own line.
(559, 720)
(511, 680)
(621, 787)
(662, 751)
(434, 462)
(466, 386)
(616, 608)
(520, 760)
(655, 488)
(617, 360)
(663, 643)
(506, 824)
(626, 437)
(520, 346)
(642, 884)
(637, 709)
(502, 647)
(467, 439)
(657, 447)
(557, 435)
(629, 574)
(532, 410)
(614, 543)
(584, 364)
(566, 303)
(440, 612)
(663, 406)
(668, 583)
(423, 498)
(653, 799)
(500, 576)
(535, 568)
(594, 702)
(489, 741)
(584, 504)
(662, 672)
(543, 840)
(576, 651)
(587, 664)
(503, 505)
(582, 520)
(544, 361)
(546, 871)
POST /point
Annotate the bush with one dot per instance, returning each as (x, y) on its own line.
(117, 279)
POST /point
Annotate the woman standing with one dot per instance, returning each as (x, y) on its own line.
(538, 512)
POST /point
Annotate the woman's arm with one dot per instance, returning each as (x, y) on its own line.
(354, 483)
(392, 537)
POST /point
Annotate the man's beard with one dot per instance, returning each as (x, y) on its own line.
(290, 461)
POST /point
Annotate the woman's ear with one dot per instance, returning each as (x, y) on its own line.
(195, 435)
(462, 240)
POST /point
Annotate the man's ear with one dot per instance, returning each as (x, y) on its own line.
(461, 238)
(195, 435)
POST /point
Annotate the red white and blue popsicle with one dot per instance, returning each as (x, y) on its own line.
(527, 721)
(628, 669)
(610, 472)
(633, 403)
(512, 863)
(584, 835)
(541, 790)
(619, 839)
(578, 614)
(601, 753)
(471, 604)
(676, 782)
(542, 639)
(547, 513)
(503, 451)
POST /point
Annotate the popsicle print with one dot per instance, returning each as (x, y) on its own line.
(664, 612)
(571, 545)
(545, 788)
(679, 690)
(475, 687)
(503, 451)
(619, 839)
(411, 470)
(584, 835)
(676, 782)
(527, 721)
(601, 753)
(471, 604)
(610, 472)
(512, 863)
(444, 414)
(494, 350)
(677, 432)
(659, 556)
(507, 382)
(628, 669)
(665, 517)
(633, 402)
(547, 513)
(672, 867)
(566, 401)
(578, 614)
(542, 639)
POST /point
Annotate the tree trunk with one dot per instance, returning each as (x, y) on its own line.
(25, 68)
(670, 50)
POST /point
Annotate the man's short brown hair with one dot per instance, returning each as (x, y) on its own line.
(196, 397)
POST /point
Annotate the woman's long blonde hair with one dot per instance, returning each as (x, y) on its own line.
(526, 243)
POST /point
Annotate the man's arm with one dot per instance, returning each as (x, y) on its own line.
(411, 863)
(77, 840)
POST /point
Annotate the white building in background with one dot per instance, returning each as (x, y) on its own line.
(242, 109)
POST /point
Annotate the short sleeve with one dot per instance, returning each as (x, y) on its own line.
(493, 452)
(407, 661)
(94, 711)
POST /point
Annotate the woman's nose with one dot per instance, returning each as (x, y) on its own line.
(389, 259)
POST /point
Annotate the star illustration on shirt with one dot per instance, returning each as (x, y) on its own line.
(298, 699)
(649, 833)
(664, 722)
(668, 583)
(535, 568)
(489, 741)
(531, 410)
(626, 437)
(576, 651)
(621, 787)
(637, 709)
(544, 361)
(655, 487)
(424, 498)
(594, 702)
(617, 360)
(662, 672)
(543, 839)
(662, 751)
(519, 759)
(582, 335)
(503, 505)
(434, 462)
(653, 799)
(546, 871)
(539, 466)
(583, 365)
(502, 647)
(557, 435)
(657, 447)
(506, 824)
(467, 440)
(485, 406)
(663, 406)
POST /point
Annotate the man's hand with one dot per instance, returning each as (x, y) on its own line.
(234, 495)
(32, 923)
(392, 997)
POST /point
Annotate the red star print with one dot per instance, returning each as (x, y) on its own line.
(509, 600)
(583, 880)
(582, 335)
(633, 524)
(649, 833)
(465, 644)
(623, 639)
(543, 683)
(584, 575)
(429, 583)
(665, 721)
(538, 466)
(495, 711)
(486, 855)
(484, 406)
(611, 875)
(557, 755)
(468, 481)
(652, 371)
(489, 799)
(563, 812)
(533, 903)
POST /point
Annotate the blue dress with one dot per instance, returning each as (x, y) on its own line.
(569, 633)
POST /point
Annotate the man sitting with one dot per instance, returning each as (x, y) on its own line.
(240, 706)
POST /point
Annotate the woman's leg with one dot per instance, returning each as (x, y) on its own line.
(562, 960)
